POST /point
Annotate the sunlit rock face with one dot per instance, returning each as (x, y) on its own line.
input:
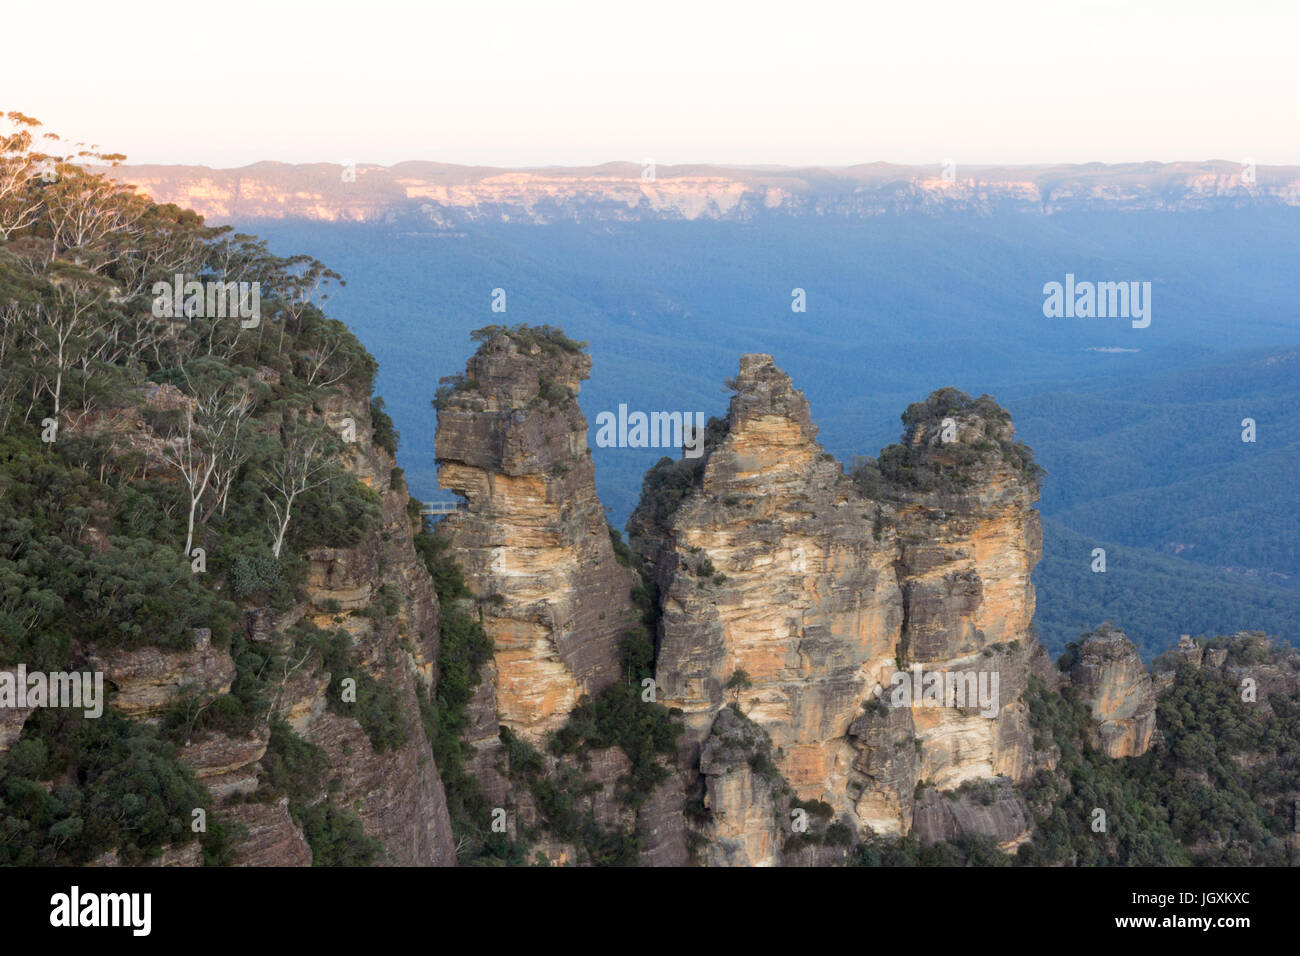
(797, 593)
(533, 542)
(1110, 676)
(444, 196)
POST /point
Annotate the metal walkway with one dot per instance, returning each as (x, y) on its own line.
(444, 507)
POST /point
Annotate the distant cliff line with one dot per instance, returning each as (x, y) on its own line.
(447, 194)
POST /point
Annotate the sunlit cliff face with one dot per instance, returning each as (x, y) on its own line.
(624, 191)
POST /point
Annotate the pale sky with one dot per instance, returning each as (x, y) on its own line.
(575, 83)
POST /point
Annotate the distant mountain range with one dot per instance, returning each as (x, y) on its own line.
(445, 195)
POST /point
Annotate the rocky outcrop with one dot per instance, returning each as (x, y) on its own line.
(143, 681)
(535, 549)
(741, 792)
(270, 837)
(775, 591)
(378, 591)
(884, 767)
(989, 810)
(802, 595)
(1255, 664)
(1110, 678)
(969, 538)
(226, 765)
(533, 542)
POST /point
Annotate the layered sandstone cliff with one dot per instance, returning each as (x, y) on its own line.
(798, 594)
(1110, 677)
(394, 791)
(448, 197)
(535, 549)
(533, 542)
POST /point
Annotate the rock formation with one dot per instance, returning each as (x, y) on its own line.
(536, 551)
(797, 594)
(1110, 677)
(533, 544)
(397, 793)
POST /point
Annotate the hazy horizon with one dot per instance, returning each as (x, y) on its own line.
(746, 167)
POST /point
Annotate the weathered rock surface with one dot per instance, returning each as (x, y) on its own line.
(226, 765)
(533, 543)
(142, 682)
(271, 837)
(969, 540)
(535, 548)
(798, 593)
(1109, 675)
(996, 812)
(740, 794)
(396, 793)
(190, 854)
(1255, 664)
(771, 568)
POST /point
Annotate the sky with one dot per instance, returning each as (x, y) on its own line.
(579, 83)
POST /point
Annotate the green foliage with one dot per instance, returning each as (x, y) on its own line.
(93, 526)
(384, 432)
(545, 337)
(668, 483)
(73, 788)
(448, 580)
(295, 768)
(337, 514)
(636, 655)
(737, 682)
(967, 850)
(948, 468)
(336, 836)
(560, 796)
(1217, 792)
(377, 707)
(618, 717)
(255, 573)
(553, 393)
(622, 553)
(134, 592)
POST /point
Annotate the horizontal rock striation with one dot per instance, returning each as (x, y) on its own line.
(796, 593)
(1109, 675)
(444, 197)
(533, 543)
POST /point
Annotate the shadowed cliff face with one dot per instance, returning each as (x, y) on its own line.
(798, 593)
(533, 544)
(396, 793)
